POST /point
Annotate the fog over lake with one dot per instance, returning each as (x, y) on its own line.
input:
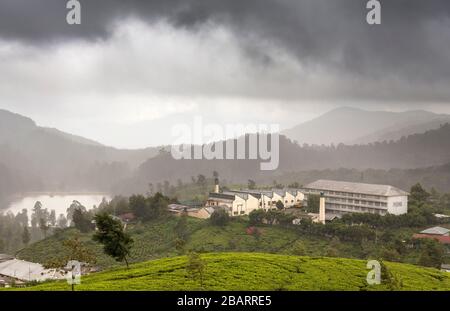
(59, 203)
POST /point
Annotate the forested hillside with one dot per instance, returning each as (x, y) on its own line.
(415, 151)
(34, 158)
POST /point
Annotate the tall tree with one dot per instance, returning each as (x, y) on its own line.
(73, 207)
(432, 253)
(37, 214)
(22, 217)
(181, 228)
(110, 233)
(26, 236)
(43, 226)
(219, 218)
(251, 184)
(81, 221)
(139, 207)
(419, 194)
(62, 221)
(201, 180)
(52, 218)
(313, 202)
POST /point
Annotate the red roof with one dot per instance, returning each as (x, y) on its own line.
(440, 238)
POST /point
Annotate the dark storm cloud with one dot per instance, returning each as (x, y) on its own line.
(412, 44)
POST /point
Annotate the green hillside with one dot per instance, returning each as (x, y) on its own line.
(257, 271)
(157, 239)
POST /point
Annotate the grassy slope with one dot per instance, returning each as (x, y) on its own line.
(255, 271)
(157, 240)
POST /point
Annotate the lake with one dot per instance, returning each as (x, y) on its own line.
(60, 203)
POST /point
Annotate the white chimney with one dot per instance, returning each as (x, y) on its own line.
(322, 208)
(216, 186)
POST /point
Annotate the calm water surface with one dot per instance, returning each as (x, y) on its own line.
(59, 203)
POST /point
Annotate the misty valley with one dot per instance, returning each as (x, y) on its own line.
(56, 189)
(222, 147)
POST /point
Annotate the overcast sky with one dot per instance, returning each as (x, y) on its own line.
(134, 68)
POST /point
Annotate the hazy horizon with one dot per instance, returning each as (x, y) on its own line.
(109, 141)
(127, 73)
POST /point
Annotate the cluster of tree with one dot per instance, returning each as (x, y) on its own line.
(17, 231)
(270, 217)
(357, 233)
(313, 203)
(219, 218)
(11, 231)
(20, 230)
(144, 208)
(150, 207)
(110, 233)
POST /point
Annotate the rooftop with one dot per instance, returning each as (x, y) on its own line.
(242, 195)
(27, 271)
(4, 257)
(440, 238)
(344, 186)
(436, 231)
(224, 196)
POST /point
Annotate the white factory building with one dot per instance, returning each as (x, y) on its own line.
(348, 197)
(243, 202)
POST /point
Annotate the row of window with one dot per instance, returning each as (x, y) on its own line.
(275, 202)
(237, 213)
(362, 202)
(356, 208)
(353, 195)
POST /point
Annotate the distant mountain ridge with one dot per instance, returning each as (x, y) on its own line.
(356, 126)
(34, 158)
(415, 151)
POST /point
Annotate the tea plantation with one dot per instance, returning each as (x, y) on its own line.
(256, 271)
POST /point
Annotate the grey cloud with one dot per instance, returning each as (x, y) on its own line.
(412, 44)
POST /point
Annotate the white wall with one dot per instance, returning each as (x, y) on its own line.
(239, 205)
(265, 202)
(252, 203)
(289, 197)
(397, 205)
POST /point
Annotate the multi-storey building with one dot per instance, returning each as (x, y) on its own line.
(349, 197)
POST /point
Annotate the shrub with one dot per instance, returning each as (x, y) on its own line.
(220, 218)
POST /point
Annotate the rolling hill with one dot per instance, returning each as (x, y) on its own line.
(431, 148)
(45, 159)
(256, 271)
(34, 158)
(356, 126)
